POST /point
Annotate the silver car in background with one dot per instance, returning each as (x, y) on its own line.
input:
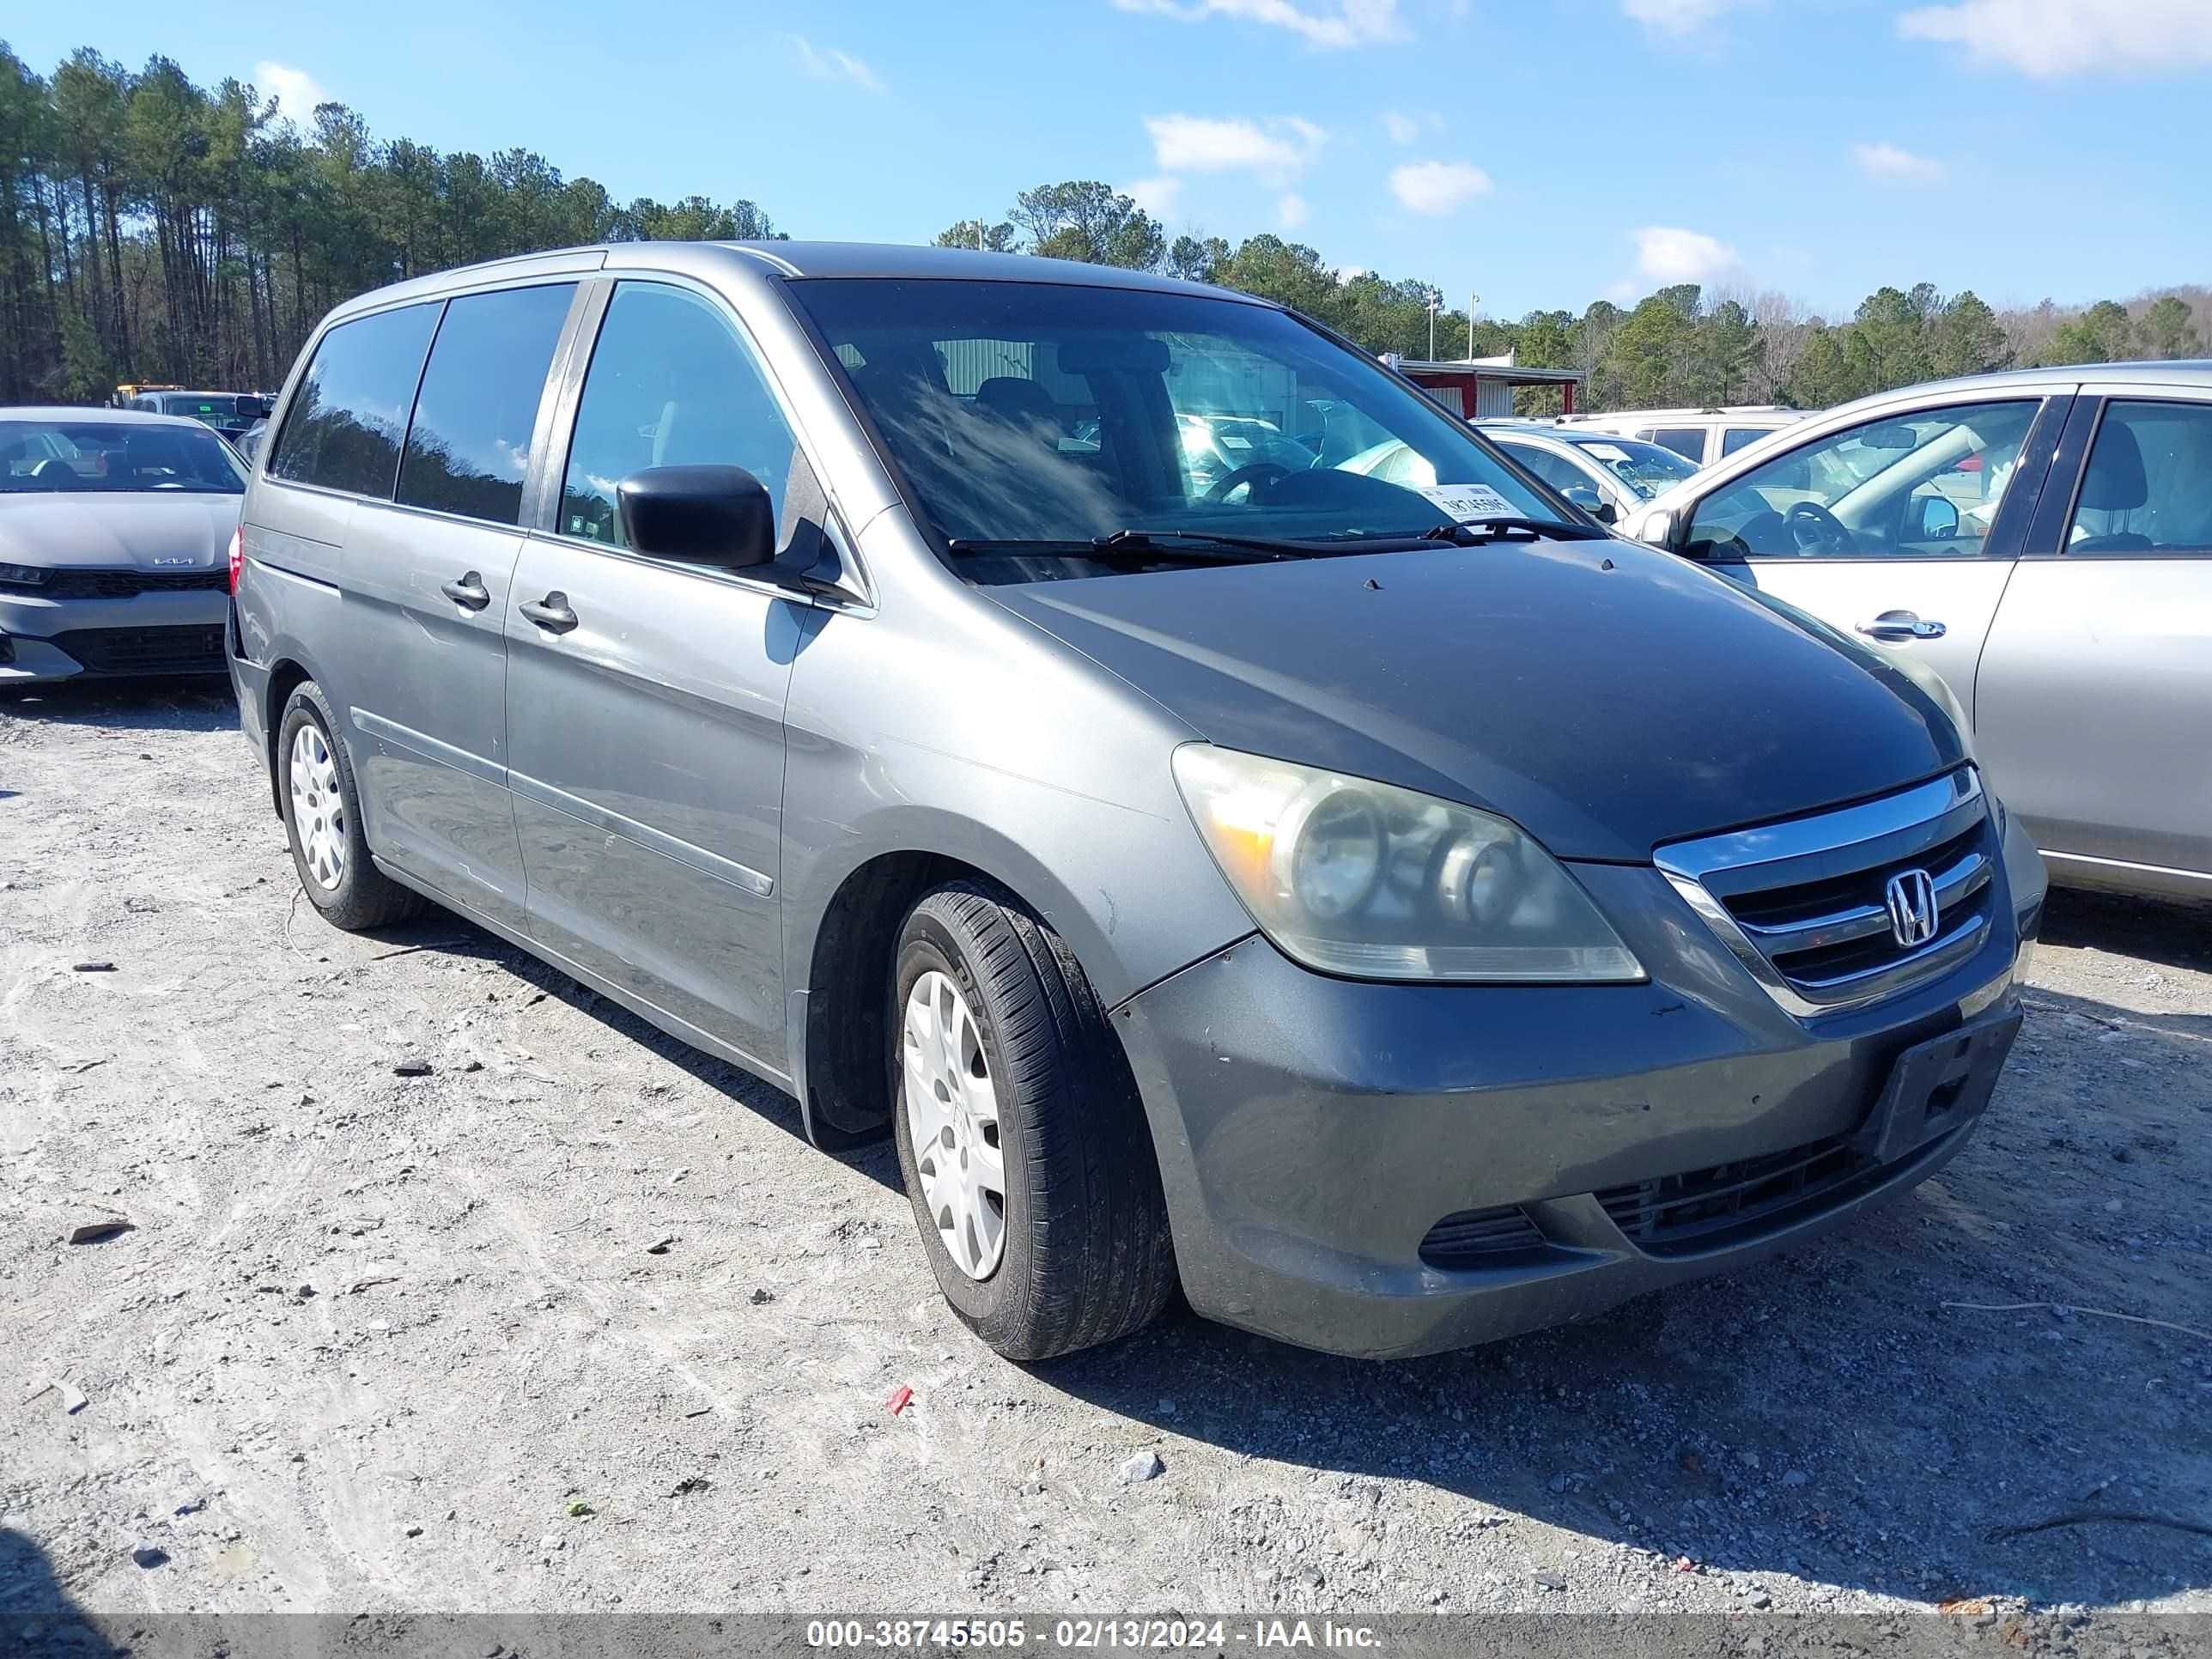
(115, 528)
(2041, 539)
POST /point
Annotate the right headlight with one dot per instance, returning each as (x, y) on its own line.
(1364, 878)
(21, 575)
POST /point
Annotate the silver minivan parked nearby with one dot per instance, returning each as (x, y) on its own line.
(1401, 913)
(2042, 540)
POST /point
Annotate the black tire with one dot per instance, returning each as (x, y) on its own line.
(364, 895)
(1087, 1257)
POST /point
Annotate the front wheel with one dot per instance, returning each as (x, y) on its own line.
(1021, 1139)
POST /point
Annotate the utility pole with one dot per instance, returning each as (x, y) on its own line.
(1436, 304)
(1473, 300)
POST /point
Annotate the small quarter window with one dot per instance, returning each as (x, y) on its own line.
(349, 415)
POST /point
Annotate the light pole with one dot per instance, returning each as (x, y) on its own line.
(1436, 304)
(1473, 300)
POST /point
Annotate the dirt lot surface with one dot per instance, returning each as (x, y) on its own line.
(577, 1321)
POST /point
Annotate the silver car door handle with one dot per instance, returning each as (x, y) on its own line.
(551, 613)
(469, 593)
(1901, 625)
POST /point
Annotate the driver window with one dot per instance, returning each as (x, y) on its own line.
(1924, 484)
(669, 383)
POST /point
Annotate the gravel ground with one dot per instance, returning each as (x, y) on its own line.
(577, 1321)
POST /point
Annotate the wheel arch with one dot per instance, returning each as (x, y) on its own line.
(842, 926)
(287, 671)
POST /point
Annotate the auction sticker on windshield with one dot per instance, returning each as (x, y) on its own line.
(1469, 502)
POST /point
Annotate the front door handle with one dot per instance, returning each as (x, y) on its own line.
(469, 593)
(1901, 625)
(551, 613)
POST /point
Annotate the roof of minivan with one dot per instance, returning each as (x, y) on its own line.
(797, 261)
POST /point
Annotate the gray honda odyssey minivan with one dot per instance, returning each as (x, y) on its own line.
(972, 692)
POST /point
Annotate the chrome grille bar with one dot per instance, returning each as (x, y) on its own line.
(1807, 861)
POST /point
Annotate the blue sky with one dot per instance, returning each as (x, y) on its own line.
(1536, 154)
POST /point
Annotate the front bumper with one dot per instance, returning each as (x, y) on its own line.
(45, 639)
(1311, 1132)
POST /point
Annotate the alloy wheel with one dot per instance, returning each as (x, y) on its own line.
(952, 1115)
(318, 807)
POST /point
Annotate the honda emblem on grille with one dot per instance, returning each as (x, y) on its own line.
(1911, 898)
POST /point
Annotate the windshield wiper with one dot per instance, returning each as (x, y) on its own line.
(1152, 546)
(1490, 530)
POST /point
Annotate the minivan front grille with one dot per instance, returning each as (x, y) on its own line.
(1495, 1237)
(1806, 905)
(1735, 1203)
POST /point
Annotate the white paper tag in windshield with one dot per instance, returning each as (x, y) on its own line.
(1470, 503)
(1605, 451)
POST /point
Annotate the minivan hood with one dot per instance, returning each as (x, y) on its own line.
(117, 530)
(1605, 697)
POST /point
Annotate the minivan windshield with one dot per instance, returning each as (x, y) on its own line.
(1049, 415)
(114, 456)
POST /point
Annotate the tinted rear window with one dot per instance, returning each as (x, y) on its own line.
(473, 418)
(351, 413)
(1687, 441)
(1737, 436)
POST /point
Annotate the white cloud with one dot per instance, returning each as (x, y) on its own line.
(1200, 143)
(830, 63)
(1291, 210)
(1344, 23)
(1438, 187)
(1887, 160)
(1349, 273)
(1156, 195)
(297, 92)
(1666, 254)
(1676, 17)
(1405, 129)
(2052, 38)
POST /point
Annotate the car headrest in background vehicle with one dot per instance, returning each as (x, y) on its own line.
(2115, 481)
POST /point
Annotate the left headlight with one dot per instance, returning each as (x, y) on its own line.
(21, 575)
(1364, 878)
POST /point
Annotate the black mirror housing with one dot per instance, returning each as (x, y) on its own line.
(705, 514)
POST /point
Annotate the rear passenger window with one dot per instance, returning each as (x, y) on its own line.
(2148, 487)
(1737, 436)
(469, 438)
(1687, 441)
(670, 384)
(349, 415)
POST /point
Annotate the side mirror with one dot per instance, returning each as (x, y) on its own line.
(1654, 527)
(711, 516)
(1935, 519)
(1584, 497)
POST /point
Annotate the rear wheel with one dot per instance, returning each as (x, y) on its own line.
(1021, 1139)
(322, 819)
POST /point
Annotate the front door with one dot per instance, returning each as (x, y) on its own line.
(1897, 531)
(426, 590)
(2096, 689)
(644, 698)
